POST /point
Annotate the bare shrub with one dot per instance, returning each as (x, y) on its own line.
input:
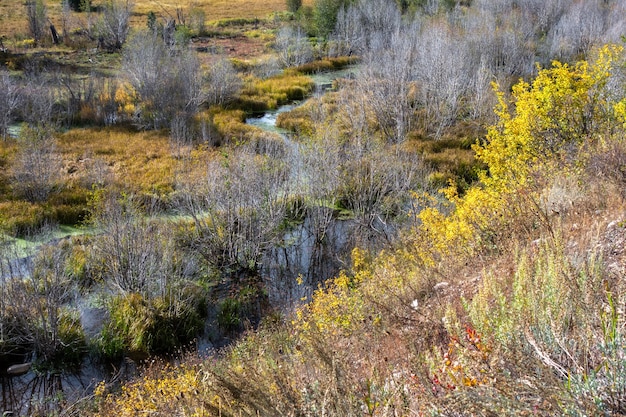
(237, 209)
(137, 255)
(10, 96)
(36, 171)
(113, 26)
(223, 83)
(293, 47)
(166, 81)
(610, 163)
(376, 186)
(39, 99)
(38, 293)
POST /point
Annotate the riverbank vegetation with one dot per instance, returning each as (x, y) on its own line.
(433, 227)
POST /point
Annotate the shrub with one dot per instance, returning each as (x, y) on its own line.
(560, 306)
(79, 5)
(545, 132)
(294, 5)
(141, 326)
(325, 16)
(37, 165)
(71, 346)
(229, 314)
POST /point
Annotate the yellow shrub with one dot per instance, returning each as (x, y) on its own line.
(551, 116)
(126, 98)
(340, 307)
(167, 391)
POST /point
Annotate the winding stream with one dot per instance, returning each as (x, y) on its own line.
(315, 250)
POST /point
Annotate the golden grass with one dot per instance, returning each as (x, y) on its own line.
(139, 161)
(266, 94)
(13, 19)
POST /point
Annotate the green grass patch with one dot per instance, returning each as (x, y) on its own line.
(327, 64)
(268, 94)
(143, 326)
(236, 21)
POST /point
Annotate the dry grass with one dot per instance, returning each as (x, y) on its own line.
(13, 21)
(138, 161)
(143, 163)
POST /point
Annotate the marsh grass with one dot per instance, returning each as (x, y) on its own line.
(143, 327)
(267, 94)
(139, 161)
(20, 218)
(327, 64)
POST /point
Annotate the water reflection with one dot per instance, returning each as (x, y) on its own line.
(38, 392)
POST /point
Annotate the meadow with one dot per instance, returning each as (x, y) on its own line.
(216, 13)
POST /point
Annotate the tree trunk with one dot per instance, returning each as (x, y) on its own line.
(55, 35)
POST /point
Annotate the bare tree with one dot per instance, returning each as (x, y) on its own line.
(441, 73)
(366, 21)
(387, 83)
(9, 101)
(381, 18)
(293, 47)
(113, 26)
(37, 18)
(167, 81)
(580, 27)
(36, 170)
(66, 18)
(616, 19)
(349, 36)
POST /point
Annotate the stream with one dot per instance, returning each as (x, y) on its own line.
(315, 250)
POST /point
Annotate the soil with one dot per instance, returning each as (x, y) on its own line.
(238, 46)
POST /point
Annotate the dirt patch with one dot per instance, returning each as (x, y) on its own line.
(239, 46)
